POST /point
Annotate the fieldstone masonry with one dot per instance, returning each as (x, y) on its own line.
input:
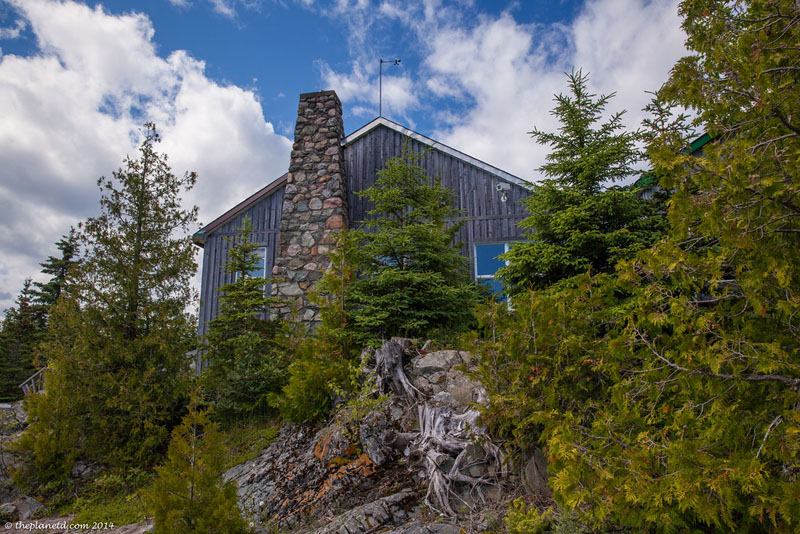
(314, 204)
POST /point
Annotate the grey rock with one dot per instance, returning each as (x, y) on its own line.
(83, 470)
(534, 475)
(27, 507)
(8, 512)
(370, 517)
(441, 360)
(372, 431)
(417, 527)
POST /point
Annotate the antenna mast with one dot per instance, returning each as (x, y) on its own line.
(395, 62)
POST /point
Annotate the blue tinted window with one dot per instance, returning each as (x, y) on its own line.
(495, 287)
(259, 271)
(486, 261)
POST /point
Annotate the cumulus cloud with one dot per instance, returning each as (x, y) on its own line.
(73, 110)
(399, 95)
(500, 75)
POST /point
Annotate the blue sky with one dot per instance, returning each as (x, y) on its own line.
(221, 79)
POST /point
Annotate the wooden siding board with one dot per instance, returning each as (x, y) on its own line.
(474, 188)
(266, 223)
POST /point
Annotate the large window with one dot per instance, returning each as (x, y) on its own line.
(487, 262)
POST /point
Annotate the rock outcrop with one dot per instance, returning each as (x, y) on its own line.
(422, 448)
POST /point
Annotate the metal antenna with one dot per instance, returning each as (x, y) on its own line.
(395, 62)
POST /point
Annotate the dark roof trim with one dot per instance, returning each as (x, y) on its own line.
(381, 121)
(199, 237)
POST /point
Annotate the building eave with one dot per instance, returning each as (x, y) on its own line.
(381, 121)
(199, 237)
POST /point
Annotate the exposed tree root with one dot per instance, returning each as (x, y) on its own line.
(447, 442)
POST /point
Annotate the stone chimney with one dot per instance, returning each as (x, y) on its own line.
(314, 204)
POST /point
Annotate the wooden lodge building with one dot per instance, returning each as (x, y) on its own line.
(297, 217)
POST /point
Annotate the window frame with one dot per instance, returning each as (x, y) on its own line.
(481, 277)
(262, 249)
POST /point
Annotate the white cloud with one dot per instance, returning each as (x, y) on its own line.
(180, 3)
(13, 33)
(223, 7)
(72, 111)
(359, 86)
(502, 74)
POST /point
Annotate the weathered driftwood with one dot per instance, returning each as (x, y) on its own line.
(442, 444)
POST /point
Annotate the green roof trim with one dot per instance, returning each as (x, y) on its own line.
(648, 179)
(699, 143)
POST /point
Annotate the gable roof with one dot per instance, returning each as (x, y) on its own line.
(199, 236)
(436, 145)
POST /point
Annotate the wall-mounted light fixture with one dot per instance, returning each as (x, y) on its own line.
(503, 188)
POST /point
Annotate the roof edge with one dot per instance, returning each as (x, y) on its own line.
(199, 237)
(382, 121)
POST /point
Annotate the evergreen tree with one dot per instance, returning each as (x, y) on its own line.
(189, 496)
(412, 280)
(20, 332)
(666, 395)
(323, 363)
(47, 294)
(246, 363)
(575, 221)
(116, 376)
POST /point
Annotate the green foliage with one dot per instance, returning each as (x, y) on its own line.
(523, 519)
(117, 339)
(20, 332)
(25, 325)
(412, 280)
(47, 294)
(575, 223)
(666, 394)
(322, 363)
(243, 346)
(245, 440)
(189, 495)
(116, 497)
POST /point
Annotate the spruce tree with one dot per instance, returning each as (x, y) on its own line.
(189, 496)
(243, 346)
(117, 339)
(578, 220)
(412, 280)
(47, 293)
(20, 332)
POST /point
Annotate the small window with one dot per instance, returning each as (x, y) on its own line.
(487, 263)
(261, 262)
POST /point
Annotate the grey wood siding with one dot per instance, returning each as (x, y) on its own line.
(266, 223)
(487, 218)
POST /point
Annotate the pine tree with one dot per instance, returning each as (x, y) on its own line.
(577, 220)
(20, 332)
(412, 280)
(116, 375)
(47, 294)
(189, 496)
(246, 363)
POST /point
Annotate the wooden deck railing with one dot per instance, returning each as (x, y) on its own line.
(34, 384)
